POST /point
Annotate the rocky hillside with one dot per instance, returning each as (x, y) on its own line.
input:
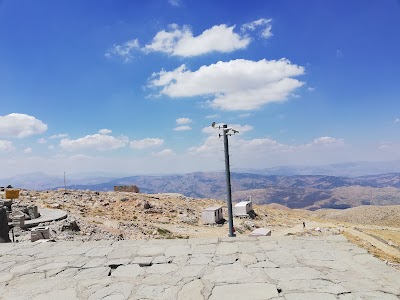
(123, 215)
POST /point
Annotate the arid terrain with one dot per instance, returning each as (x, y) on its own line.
(123, 215)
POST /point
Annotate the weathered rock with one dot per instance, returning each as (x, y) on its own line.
(71, 225)
(245, 291)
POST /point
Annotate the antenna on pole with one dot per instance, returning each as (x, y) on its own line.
(65, 184)
(225, 133)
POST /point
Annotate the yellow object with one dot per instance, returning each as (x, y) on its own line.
(12, 194)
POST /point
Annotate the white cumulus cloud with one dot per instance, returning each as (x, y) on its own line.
(105, 131)
(59, 136)
(182, 121)
(257, 146)
(165, 152)
(20, 126)
(183, 128)
(146, 143)
(28, 150)
(6, 146)
(179, 41)
(124, 51)
(42, 141)
(99, 142)
(263, 24)
(234, 85)
(175, 3)
(327, 140)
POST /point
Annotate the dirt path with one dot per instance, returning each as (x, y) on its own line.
(374, 242)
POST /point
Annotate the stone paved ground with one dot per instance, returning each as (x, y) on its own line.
(225, 268)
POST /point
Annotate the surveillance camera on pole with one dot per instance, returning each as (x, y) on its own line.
(225, 134)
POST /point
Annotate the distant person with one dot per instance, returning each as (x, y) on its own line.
(304, 225)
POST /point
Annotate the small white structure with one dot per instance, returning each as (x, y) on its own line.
(39, 233)
(242, 208)
(261, 232)
(211, 215)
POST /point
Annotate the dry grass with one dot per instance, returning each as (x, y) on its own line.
(371, 248)
(386, 235)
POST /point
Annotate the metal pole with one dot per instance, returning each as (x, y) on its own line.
(228, 181)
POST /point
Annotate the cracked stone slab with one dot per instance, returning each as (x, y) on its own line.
(26, 268)
(310, 296)
(56, 265)
(95, 262)
(314, 255)
(162, 269)
(117, 262)
(145, 260)
(287, 273)
(178, 250)
(225, 248)
(157, 279)
(200, 260)
(4, 277)
(99, 251)
(123, 252)
(202, 241)
(30, 289)
(237, 273)
(258, 291)
(69, 294)
(313, 285)
(190, 271)
(282, 258)
(7, 265)
(157, 292)
(121, 290)
(204, 249)
(263, 264)
(323, 264)
(377, 295)
(247, 259)
(131, 271)
(79, 250)
(224, 259)
(162, 260)
(92, 273)
(302, 267)
(191, 291)
(155, 250)
(248, 247)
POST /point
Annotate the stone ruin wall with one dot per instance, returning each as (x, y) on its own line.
(126, 188)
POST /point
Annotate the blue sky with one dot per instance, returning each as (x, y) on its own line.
(131, 87)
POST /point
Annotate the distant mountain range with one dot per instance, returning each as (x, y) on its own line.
(299, 191)
(294, 191)
(350, 169)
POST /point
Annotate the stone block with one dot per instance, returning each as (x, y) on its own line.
(39, 233)
(18, 220)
